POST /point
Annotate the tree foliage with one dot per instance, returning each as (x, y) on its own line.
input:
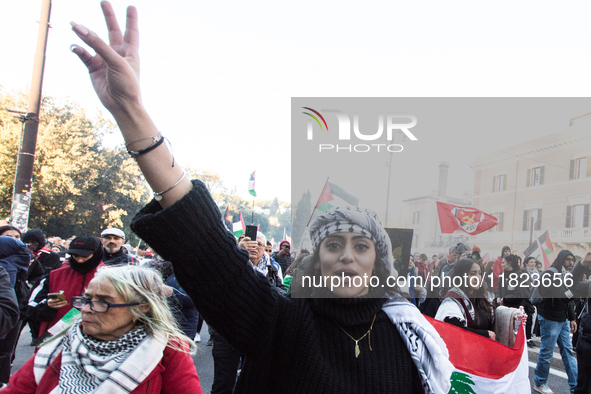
(80, 186)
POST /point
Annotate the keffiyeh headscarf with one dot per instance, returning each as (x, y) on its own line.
(349, 219)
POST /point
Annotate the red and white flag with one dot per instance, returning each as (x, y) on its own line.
(469, 220)
(484, 366)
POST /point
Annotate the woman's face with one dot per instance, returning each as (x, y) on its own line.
(474, 278)
(506, 266)
(348, 255)
(531, 263)
(12, 234)
(111, 324)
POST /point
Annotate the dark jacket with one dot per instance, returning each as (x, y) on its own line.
(14, 257)
(516, 295)
(9, 311)
(556, 304)
(117, 258)
(284, 261)
(182, 308)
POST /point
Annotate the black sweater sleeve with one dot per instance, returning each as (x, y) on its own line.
(211, 268)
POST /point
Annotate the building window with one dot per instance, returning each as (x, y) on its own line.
(501, 218)
(577, 216)
(415, 217)
(415, 241)
(579, 168)
(535, 176)
(536, 214)
(499, 183)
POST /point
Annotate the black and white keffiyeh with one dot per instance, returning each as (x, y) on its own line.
(352, 219)
(90, 365)
(427, 350)
(263, 265)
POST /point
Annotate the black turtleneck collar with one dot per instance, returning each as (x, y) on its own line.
(347, 311)
(90, 264)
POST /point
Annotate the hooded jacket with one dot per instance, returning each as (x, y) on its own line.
(556, 296)
(14, 257)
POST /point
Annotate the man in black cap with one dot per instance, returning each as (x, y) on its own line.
(35, 240)
(86, 253)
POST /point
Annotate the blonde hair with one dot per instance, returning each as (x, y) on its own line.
(145, 285)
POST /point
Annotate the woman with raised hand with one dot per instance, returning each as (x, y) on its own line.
(126, 341)
(349, 339)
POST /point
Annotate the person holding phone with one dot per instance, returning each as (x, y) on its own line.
(51, 299)
(343, 341)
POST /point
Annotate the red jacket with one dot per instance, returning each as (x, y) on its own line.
(68, 280)
(497, 269)
(175, 374)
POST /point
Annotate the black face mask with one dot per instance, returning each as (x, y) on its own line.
(88, 265)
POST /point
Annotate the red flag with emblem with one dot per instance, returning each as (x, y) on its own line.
(467, 219)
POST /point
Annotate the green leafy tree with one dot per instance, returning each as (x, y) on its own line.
(80, 186)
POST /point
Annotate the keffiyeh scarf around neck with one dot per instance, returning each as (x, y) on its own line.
(93, 366)
(427, 350)
(458, 295)
(262, 266)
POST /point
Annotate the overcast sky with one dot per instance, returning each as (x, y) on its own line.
(218, 76)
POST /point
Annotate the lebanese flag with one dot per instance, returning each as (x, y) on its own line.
(482, 365)
(469, 220)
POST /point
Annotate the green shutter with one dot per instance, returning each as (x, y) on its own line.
(542, 174)
(538, 223)
(525, 220)
(528, 181)
(571, 175)
(586, 216)
(569, 216)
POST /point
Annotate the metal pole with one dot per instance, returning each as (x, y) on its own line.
(531, 229)
(21, 199)
(388, 191)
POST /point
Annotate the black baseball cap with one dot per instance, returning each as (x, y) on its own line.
(84, 245)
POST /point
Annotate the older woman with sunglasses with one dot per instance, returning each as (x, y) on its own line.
(126, 341)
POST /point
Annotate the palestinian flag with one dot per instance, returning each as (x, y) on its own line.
(333, 195)
(484, 366)
(545, 243)
(486, 258)
(239, 228)
(251, 185)
(537, 249)
(227, 218)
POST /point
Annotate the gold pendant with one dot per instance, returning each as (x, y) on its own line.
(357, 352)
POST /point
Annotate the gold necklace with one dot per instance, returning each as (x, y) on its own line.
(367, 334)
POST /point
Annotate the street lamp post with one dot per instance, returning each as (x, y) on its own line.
(21, 198)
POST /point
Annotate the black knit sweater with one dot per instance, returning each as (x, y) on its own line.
(291, 345)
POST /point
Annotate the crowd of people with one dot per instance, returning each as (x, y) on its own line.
(104, 320)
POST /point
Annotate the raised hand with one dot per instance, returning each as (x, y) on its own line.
(114, 70)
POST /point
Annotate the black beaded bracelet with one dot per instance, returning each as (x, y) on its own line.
(149, 148)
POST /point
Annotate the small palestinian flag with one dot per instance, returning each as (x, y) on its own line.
(239, 228)
(251, 185)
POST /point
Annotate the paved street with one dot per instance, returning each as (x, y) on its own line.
(204, 363)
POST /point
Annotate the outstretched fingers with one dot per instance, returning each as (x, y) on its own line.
(132, 34)
(100, 47)
(115, 35)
